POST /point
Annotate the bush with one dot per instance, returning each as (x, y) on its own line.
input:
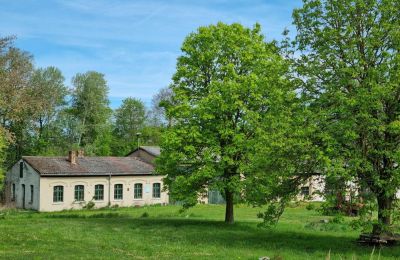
(145, 215)
(105, 215)
(310, 206)
(338, 219)
(89, 205)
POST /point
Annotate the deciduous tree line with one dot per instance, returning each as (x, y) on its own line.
(41, 115)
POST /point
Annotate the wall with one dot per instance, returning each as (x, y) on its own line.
(30, 177)
(47, 184)
(316, 185)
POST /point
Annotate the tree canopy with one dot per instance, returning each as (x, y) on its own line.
(349, 64)
(226, 81)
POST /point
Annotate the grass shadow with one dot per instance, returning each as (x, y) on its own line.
(244, 235)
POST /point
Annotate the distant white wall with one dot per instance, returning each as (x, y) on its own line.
(316, 185)
(47, 185)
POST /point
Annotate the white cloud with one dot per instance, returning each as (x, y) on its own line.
(134, 43)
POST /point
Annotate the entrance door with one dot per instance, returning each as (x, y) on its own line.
(23, 196)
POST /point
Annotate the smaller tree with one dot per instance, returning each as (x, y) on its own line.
(157, 115)
(90, 105)
(129, 121)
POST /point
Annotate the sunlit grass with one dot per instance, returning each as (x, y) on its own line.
(163, 232)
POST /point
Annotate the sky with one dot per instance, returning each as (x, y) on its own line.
(135, 44)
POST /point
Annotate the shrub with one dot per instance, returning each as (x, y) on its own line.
(338, 219)
(105, 215)
(89, 205)
(145, 215)
(310, 206)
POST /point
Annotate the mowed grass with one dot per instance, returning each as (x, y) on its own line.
(162, 232)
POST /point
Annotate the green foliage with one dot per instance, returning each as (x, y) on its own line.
(145, 215)
(157, 115)
(89, 205)
(41, 116)
(129, 121)
(48, 93)
(130, 118)
(3, 147)
(310, 206)
(339, 218)
(15, 101)
(349, 65)
(227, 81)
(90, 105)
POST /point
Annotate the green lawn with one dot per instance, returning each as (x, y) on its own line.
(161, 232)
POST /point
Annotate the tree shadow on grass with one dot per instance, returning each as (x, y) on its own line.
(244, 235)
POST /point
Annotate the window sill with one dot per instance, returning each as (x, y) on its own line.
(138, 199)
(58, 203)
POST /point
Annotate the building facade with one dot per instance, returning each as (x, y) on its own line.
(63, 183)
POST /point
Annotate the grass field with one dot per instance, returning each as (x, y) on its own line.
(161, 232)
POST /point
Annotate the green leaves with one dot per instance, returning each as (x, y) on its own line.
(349, 60)
(90, 104)
(227, 81)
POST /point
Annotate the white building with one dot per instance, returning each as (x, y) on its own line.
(62, 183)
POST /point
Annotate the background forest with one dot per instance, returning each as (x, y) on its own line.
(41, 115)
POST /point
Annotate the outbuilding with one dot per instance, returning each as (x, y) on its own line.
(60, 183)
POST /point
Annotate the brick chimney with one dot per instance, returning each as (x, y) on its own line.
(72, 157)
(81, 153)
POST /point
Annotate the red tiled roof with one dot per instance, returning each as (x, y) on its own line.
(59, 166)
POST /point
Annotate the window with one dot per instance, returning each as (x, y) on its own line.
(156, 190)
(79, 193)
(31, 201)
(99, 192)
(21, 169)
(58, 194)
(13, 192)
(138, 190)
(118, 191)
(305, 191)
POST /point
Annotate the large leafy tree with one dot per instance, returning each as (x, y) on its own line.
(226, 81)
(15, 101)
(49, 94)
(350, 66)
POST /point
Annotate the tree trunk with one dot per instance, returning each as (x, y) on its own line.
(229, 207)
(385, 205)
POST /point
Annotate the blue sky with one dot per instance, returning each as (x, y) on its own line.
(134, 43)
